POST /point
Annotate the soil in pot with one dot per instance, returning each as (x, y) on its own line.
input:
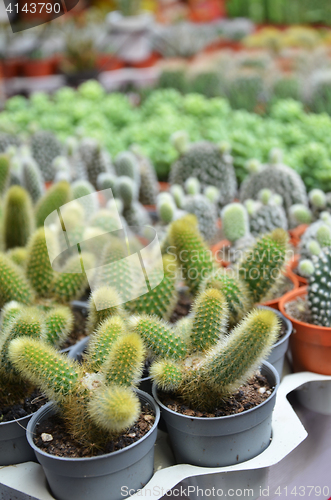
(53, 438)
(22, 407)
(299, 309)
(249, 395)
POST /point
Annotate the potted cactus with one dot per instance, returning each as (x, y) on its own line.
(18, 399)
(198, 368)
(95, 409)
(309, 310)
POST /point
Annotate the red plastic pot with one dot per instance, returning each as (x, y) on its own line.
(11, 68)
(296, 234)
(147, 63)
(218, 250)
(109, 62)
(310, 344)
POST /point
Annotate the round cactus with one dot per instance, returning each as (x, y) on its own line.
(235, 221)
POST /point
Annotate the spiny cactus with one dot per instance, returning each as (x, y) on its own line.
(4, 172)
(38, 268)
(106, 333)
(45, 147)
(18, 221)
(18, 255)
(262, 266)
(82, 188)
(149, 186)
(323, 236)
(319, 287)
(206, 213)
(32, 179)
(178, 194)
(280, 178)
(96, 160)
(234, 289)
(235, 221)
(299, 214)
(211, 164)
(126, 164)
(202, 378)
(58, 324)
(14, 285)
(104, 303)
(191, 251)
(59, 194)
(267, 217)
(96, 405)
(166, 208)
(161, 300)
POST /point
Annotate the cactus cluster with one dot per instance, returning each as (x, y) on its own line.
(280, 178)
(211, 164)
(127, 191)
(45, 147)
(19, 321)
(207, 364)
(96, 160)
(97, 399)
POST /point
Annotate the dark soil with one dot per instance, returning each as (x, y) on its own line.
(299, 309)
(61, 444)
(249, 395)
(22, 408)
(182, 308)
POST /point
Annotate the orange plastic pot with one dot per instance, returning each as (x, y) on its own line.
(274, 303)
(296, 234)
(293, 265)
(164, 186)
(217, 251)
(310, 344)
(37, 68)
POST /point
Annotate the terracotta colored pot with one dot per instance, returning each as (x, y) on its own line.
(293, 265)
(147, 63)
(217, 251)
(296, 234)
(109, 62)
(36, 68)
(11, 67)
(274, 303)
(310, 344)
(164, 186)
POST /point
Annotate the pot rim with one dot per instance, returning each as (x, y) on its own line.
(225, 417)
(290, 297)
(52, 404)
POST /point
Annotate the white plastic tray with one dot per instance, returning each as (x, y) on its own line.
(27, 481)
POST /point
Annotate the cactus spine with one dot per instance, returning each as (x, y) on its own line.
(13, 285)
(18, 219)
(38, 268)
(4, 172)
(319, 289)
(59, 194)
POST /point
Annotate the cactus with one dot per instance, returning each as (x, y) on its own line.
(202, 379)
(59, 194)
(178, 195)
(317, 198)
(126, 164)
(96, 405)
(205, 212)
(161, 300)
(58, 324)
(125, 189)
(14, 285)
(4, 172)
(149, 187)
(266, 218)
(282, 180)
(299, 214)
(18, 222)
(71, 282)
(104, 336)
(235, 222)
(192, 253)
(192, 186)
(82, 188)
(106, 180)
(323, 236)
(18, 256)
(262, 267)
(235, 291)
(38, 268)
(211, 164)
(32, 179)
(166, 209)
(96, 160)
(319, 289)
(45, 147)
(104, 303)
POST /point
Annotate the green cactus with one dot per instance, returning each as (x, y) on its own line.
(191, 252)
(18, 255)
(38, 268)
(59, 194)
(125, 190)
(161, 300)
(235, 221)
(70, 283)
(203, 379)
(266, 217)
(32, 179)
(235, 291)
(166, 208)
(205, 212)
(82, 188)
(263, 265)
(18, 221)
(319, 289)
(96, 405)
(13, 284)
(4, 172)
(58, 324)
(323, 236)
(126, 164)
(299, 214)
(104, 303)
(178, 195)
(45, 147)
(317, 198)
(192, 186)
(9, 312)
(159, 337)
(101, 341)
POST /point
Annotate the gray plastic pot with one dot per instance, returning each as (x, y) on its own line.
(277, 355)
(145, 383)
(14, 447)
(222, 441)
(106, 477)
